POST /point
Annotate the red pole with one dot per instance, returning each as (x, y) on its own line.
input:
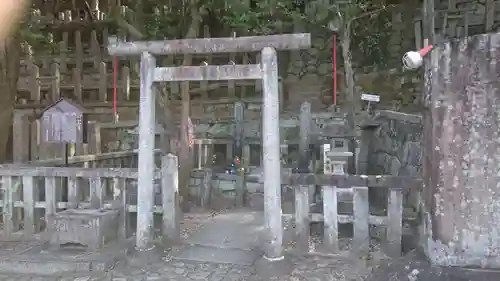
(334, 55)
(115, 69)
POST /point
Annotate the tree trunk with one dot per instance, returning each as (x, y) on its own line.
(352, 100)
(349, 73)
(185, 159)
(9, 73)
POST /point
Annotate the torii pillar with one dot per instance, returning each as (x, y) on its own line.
(461, 153)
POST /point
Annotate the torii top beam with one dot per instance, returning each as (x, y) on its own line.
(212, 45)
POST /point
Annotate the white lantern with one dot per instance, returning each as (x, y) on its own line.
(414, 59)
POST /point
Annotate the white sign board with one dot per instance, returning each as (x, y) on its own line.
(372, 98)
(326, 149)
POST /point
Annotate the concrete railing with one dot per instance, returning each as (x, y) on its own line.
(96, 188)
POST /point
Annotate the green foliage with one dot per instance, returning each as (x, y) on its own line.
(264, 19)
(278, 17)
(159, 20)
(34, 33)
(371, 38)
(370, 30)
(370, 34)
(158, 26)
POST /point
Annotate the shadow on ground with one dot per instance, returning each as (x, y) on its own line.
(414, 267)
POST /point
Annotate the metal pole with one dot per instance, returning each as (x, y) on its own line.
(145, 188)
(334, 62)
(272, 164)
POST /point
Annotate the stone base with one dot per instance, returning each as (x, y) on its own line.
(42, 259)
(267, 268)
(88, 227)
(142, 258)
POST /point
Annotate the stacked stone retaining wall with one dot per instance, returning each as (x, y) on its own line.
(395, 145)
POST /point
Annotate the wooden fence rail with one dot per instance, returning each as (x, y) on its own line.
(107, 188)
(361, 218)
(117, 159)
(336, 188)
(21, 199)
(85, 72)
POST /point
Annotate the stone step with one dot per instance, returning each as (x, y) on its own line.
(203, 253)
(56, 277)
(44, 260)
(42, 266)
(231, 238)
(239, 230)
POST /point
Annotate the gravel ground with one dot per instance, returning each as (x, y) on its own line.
(306, 268)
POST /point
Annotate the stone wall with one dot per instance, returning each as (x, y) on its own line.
(394, 144)
(461, 205)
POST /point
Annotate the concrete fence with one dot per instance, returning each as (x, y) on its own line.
(27, 210)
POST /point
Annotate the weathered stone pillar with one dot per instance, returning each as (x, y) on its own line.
(462, 153)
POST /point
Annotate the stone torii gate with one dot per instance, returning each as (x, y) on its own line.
(266, 70)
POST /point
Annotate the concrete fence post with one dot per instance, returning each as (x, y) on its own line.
(272, 163)
(145, 192)
(170, 197)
